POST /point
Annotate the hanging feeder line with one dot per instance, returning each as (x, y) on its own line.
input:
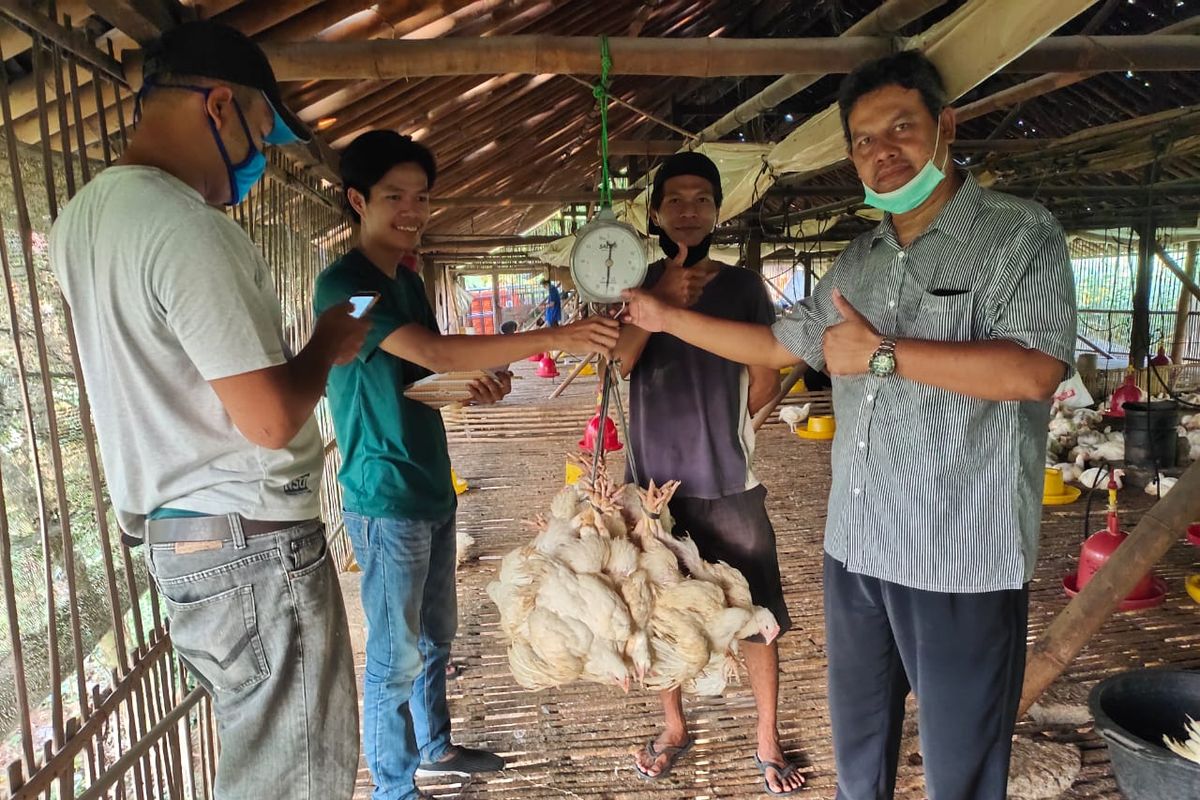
(610, 388)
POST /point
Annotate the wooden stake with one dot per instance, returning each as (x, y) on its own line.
(1185, 303)
(765, 412)
(562, 387)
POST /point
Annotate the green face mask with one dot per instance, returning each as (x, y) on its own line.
(907, 197)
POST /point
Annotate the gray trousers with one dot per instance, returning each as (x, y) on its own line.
(964, 657)
(263, 628)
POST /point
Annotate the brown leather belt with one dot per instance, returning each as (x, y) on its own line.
(212, 529)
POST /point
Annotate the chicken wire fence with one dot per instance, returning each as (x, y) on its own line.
(93, 703)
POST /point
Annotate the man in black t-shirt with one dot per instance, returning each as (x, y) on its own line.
(690, 420)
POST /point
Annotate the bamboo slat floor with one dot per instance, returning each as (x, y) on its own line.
(575, 742)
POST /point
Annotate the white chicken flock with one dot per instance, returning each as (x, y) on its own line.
(1080, 446)
(605, 593)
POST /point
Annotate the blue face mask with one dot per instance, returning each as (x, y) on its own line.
(242, 175)
(912, 194)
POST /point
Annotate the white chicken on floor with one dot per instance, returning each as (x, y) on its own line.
(1097, 477)
(1160, 487)
(794, 415)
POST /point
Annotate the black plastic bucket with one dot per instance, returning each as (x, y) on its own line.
(1151, 439)
(1132, 711)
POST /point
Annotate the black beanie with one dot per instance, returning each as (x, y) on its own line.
(686, 163)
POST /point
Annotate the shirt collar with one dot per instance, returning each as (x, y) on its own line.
(954, 219)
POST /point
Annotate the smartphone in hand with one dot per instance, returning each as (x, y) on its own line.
(362, 302)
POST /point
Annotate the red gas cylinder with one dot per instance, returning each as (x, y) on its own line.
(611, 442)
(1127, 392)
(547, 368)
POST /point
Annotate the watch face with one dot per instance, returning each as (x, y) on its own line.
(607, 259)
(882, 364)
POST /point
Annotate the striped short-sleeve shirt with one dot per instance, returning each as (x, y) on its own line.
(933, 489)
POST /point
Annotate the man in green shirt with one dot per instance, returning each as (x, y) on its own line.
(397, 492)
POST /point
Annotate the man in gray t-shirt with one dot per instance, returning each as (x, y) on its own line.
(211, 453)
(690, 420)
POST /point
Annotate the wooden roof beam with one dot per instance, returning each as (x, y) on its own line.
(702, 57)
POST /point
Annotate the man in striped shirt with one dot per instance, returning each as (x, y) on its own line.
(946, 330)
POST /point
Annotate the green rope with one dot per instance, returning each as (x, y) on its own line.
(600, 92)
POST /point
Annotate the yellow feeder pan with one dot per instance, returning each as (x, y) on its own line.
(588, 369)
(574, 473)
(820, 426)
(460, 485)
(1057, 493)
(798, 387)
(1193, 587)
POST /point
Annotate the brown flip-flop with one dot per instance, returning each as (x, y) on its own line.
(785, 771)
(671, 752)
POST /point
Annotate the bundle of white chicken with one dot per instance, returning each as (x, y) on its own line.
(605, 593)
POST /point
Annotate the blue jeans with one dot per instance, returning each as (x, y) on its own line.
(412, 615)
(262, 627)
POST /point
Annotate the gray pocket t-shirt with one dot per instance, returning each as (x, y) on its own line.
(167, 294)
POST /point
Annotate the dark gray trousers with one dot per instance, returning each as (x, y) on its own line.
(964, 657)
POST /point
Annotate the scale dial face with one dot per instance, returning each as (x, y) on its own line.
(607, 259)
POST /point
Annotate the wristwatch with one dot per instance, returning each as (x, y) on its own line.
(883, 360)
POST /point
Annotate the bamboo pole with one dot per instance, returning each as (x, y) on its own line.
(1188, 282)
(25, 227)
(1155, 534)
(144, 20)
(26, 13)
(700, 58)
(142, 746)
(1185, 303)
(16, 647)
(575, 373)
(90, 729)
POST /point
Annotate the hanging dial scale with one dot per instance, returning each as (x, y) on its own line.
(608, 258)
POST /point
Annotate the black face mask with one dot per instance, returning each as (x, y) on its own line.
(694, 254)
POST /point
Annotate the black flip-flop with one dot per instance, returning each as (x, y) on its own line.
(671, 752)
(785, 771)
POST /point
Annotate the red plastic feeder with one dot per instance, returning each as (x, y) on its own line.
(1193, 533)
(547, 368)
(1150, 591)
(537, 357)
(1127, 392)
(611, 442)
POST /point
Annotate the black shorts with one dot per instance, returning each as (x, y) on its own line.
(737, 530)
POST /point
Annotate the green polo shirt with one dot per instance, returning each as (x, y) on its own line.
(394, 457)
